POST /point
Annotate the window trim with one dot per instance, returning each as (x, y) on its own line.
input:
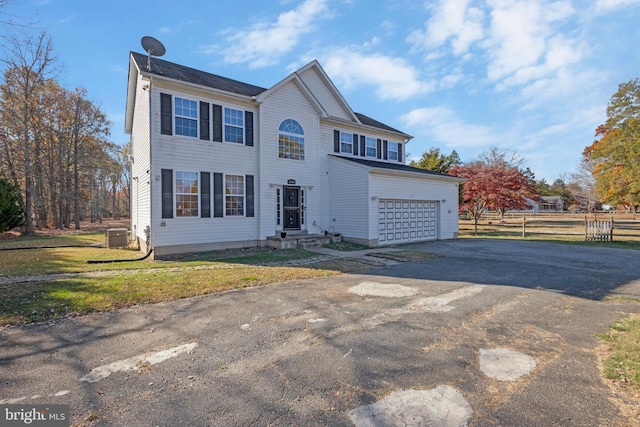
(177, 116)
(396, 151)
(284, 151)
(178, 194)
(226, 125)
(243, 195)
(344, 143)
(367, 147)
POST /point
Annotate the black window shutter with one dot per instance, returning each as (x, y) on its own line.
(400, 153)
(250, 198)
(205, 194)
(166, 120)
(218, 196)
(217, 123)
(248, 128)
(204, 120)
(167, 193)
(336, 141)
(355, 144)
(363, 146)
(385, 149)
(379, 151)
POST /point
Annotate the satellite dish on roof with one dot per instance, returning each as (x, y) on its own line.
(153, 47)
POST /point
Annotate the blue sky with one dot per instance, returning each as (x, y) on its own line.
(530, 76)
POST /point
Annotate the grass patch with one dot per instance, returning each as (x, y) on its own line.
(103, 287)
(622, 356)
(37, 302)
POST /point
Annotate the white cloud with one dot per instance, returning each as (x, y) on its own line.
(443, 125)
(265, 43)
(610, 5)
(393, 77)
(453, 20)
(523, 43)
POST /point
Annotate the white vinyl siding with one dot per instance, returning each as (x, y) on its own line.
(288, 102)
(324, 95)
(349, 200)
(184, 234)
(141, 156)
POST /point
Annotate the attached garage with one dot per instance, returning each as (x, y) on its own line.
(378, 204)
(403, 221)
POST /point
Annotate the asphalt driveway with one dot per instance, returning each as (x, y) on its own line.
(484, 333)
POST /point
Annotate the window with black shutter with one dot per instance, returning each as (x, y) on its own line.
(248, 128)
(166, 119)
(355, 144)
(218, 196)
(249, 192)
(204, 121)
(217, 123)
(167, 193)
(205, 194)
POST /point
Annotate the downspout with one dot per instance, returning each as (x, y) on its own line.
(150, 173)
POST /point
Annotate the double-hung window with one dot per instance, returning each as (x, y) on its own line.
(186, 117)
(346, 143)
(393, 151)
(233, 125)
(186, 193)
(234, 195)
(372, 147)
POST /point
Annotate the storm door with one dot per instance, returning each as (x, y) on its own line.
(291, 208)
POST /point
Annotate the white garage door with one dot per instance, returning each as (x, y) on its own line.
(401, 221)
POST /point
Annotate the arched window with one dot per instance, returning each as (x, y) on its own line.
(290, 140)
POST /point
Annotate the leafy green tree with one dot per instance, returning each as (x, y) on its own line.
(614, 153)
(10, 211)
(434, 160)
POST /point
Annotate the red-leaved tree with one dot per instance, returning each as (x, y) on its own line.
(492, 187)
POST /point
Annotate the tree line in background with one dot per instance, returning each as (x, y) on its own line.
(56, 161)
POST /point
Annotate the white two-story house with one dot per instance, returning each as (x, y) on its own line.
(217, 163)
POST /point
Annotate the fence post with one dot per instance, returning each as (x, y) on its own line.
(524, 226)
(611, 231)
(586, 228)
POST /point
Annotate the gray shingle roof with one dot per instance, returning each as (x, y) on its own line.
(170, 70)
(393, 166)
(180, 72)
(366, 120)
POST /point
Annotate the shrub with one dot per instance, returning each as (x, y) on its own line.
(10, 212)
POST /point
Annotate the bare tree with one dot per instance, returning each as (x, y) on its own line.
(583, 184)
(29, 64)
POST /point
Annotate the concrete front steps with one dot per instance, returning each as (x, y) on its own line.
(298, 240)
